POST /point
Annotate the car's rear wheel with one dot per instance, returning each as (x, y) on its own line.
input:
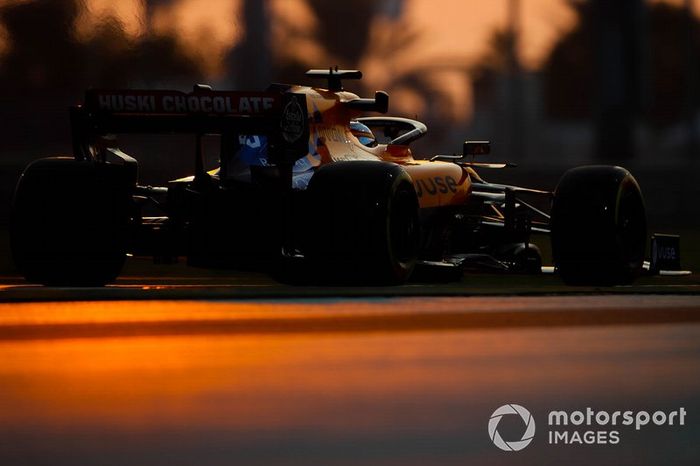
(598, 226)
(364, 223)
(69, 222)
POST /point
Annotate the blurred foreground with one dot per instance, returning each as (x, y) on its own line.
(304, 386)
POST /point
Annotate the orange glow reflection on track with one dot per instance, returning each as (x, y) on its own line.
(271, 381)
(359, 381)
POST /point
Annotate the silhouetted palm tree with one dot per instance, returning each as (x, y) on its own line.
(47, 69)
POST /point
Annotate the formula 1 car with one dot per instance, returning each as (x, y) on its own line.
(308, 186)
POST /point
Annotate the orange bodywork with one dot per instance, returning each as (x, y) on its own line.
(437, 184)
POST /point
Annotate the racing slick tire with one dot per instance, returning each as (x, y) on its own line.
(365, 225)
(598, 226)
(69, 222)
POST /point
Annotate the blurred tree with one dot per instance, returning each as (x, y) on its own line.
(47, 69)
(344, 27)
(570, 70)
(374, 34)
(675, 46)
(498, 88)
(492, 63)
(620, 75)
(342, 35)
(251, 66)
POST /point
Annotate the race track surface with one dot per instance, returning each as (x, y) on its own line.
(142, 280)
(370, 379)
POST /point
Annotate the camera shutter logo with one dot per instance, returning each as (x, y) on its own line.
(527, 418)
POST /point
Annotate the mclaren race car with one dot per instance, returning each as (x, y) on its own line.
(309, 188)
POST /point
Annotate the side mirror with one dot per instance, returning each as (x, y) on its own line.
(473, 148)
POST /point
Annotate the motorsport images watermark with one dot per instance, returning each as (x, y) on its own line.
(515, 445)
(587, 427)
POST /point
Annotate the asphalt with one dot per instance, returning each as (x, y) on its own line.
(142, 280)
(340, 380)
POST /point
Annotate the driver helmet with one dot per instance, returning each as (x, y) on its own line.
(363, 134)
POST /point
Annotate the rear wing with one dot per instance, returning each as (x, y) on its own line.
(282, 116)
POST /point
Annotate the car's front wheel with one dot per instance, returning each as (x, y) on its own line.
(598, 226)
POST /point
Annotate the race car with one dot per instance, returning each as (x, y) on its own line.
(310, 188)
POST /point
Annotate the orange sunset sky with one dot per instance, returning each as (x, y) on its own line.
(453, 32)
